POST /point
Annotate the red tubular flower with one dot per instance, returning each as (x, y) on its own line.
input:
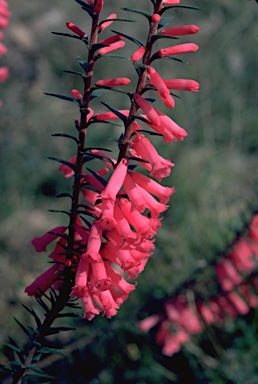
(43, 282)
(182, 85)
(148, 109)
(107, 23)
(180, 31)
(138, 54)
(170, 2)
(253, 229)
(159, 166)
(109, 115)
(40, 243)
(177, 49)
(98, 5)
(111, 40)
(116, 82)
(4, 73)
(76, 29)
(111, 48)
(163, 90)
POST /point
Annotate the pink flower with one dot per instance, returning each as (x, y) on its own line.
(116, 82)
(156, 189)
(43, 282)
(111, 48)
(76, 30)
(111, 40)
(173, 343)
(107, 23)
(163, 90)
(238, 303)
(116, 181)
(40, 243)
(94, 243)
(180, 31)
(148, 323)
(148, 109)
(76, 94)
(170, 2)
(177, 49)
(159, 167)
(4, 73)
(138, 54)
(253, 229)
(182, 85)
(109, 115)
(227, 275)
(98, 5)
(66, 170)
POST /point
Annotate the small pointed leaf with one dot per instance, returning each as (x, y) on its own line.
(70, 165)
(65, 135)
(146, 14)
(82, 63)
(157, 37)
(76, 73)
(137, 42)
(164, 21)
(63, 97)
(98, 177)
(116, 112)
(13, 347)
(67, 35)
(97, 93)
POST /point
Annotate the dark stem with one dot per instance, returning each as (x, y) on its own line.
(141, 82)
(67, 275)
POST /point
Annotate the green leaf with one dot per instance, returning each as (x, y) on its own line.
(55, 330)
(70, 165)
(146, 14)
(112, 55)
(137, 42)
(98, 148)
(116, 112)
(67, 98)
(13, 347)
(33, 313)
(164, 21)
(53, 351)
(82, 63)
(76, 73)
(25, 330)
(117, 19)
(65, 194)
(97, 93)
(115, 89)
(39, 373)
(98, 177)
(157, 37)
(97, 46)
(154, 57)
(85, 6)
(67, 35)
(65, 135)
(181, 6)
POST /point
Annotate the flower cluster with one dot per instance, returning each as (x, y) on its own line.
(4, 20)
(125, 211)
(237, 279)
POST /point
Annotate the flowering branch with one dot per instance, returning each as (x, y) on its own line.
(110, 235)
(4, 21)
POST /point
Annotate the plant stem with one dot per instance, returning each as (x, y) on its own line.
(67, 275)
(141, 82)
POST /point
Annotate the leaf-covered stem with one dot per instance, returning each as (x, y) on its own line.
(141, 81)
(68, 276)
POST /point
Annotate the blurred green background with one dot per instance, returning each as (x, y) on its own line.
(215, 178)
